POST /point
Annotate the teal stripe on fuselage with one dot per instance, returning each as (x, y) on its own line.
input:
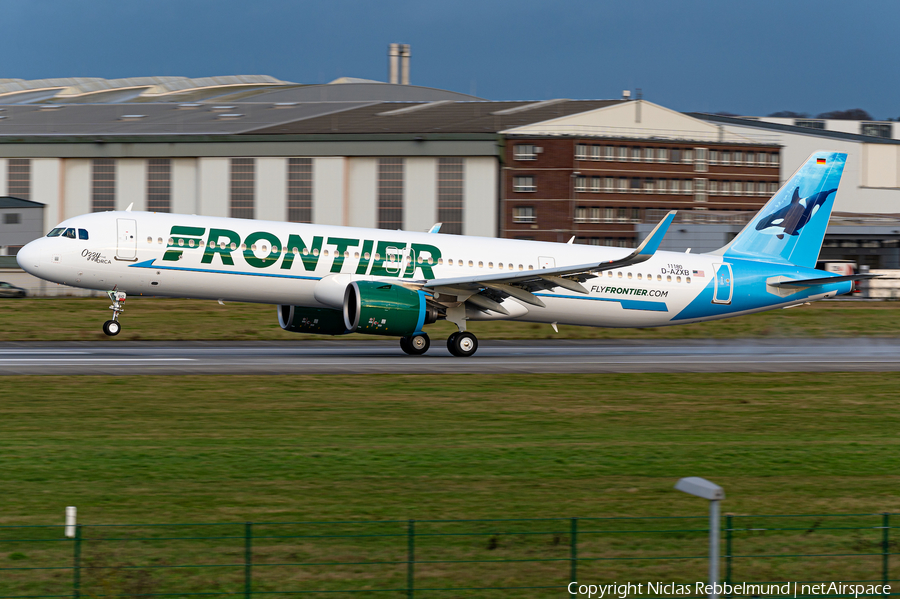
(627, 304)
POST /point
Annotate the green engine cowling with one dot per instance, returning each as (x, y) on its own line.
(375, 308)
(322, 321)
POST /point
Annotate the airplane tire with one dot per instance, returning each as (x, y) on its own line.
(462, 345)
(415, 345)
(111, 328)
(450, 341)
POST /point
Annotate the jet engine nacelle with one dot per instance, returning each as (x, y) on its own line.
(322, 321)
(376, 308)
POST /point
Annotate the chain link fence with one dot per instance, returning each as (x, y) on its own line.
(436, 558)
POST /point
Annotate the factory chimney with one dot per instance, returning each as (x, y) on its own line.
(398, 64)
(394, 63)
(404, 64)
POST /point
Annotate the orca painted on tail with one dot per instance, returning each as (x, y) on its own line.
(790, 219)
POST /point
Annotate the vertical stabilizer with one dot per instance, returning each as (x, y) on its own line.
(791, 226)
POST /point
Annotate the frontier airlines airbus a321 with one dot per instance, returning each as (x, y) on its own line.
(336, 280)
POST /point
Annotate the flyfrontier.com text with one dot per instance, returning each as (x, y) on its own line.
(623, 590)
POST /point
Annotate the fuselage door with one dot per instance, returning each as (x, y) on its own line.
(546, 262)
(126, 247)
(724, 287)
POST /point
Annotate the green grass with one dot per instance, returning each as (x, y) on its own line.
(79, 319)
(393, 447)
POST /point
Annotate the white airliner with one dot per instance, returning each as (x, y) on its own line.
(336, 280)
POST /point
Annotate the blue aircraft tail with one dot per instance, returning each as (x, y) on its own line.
(791, 226)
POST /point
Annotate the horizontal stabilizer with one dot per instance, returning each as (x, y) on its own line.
(823, 281)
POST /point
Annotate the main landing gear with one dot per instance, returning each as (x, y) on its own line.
(112, 327)
(415, 345)
(461, 345)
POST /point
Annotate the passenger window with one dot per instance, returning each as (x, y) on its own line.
(639, 276)
(82, 234)
(687, 280)
(668, 278)
(677, 279)
(70, 233)
(55, 232)
(629, 275)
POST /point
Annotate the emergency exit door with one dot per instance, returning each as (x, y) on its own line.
(126, 248)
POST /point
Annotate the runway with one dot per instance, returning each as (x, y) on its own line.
(542, 356)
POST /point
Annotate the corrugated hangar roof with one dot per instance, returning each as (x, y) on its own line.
(281, 118)
(435, 117)
(157, 118)
(258, 88)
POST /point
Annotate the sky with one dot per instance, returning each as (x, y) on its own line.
(749, 58)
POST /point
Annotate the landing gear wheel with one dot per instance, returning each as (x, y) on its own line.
(462, 345)
(111, 328)
(415, 345)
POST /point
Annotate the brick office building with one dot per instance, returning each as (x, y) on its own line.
(595, 175)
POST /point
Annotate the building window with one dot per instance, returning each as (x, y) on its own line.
(608, 153)
(595, 152)
(524, 214)
(18, 178)
(876, 129)
(243, 184)
(159, 185)
(523, 184)
(12, 218)
(581, 152)
(623, 153)
(700, 190)
(390, 193)
(636, 154)
(299, 190)
(581, 183)
(700, 163)
(581, 214)
(524, 152)
(675, 156)
(451, 178)
(103, 185)
(810, 123)
(595, 184)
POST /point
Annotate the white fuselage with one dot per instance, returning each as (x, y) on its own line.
(216, 258)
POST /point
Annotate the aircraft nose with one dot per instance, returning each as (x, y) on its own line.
(29, 256)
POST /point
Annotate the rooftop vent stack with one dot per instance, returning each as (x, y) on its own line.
(626, 94)
(404, 64)
(394, 63)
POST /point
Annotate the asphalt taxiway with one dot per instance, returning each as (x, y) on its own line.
(116, 357)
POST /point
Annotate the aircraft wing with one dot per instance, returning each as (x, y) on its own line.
(823, 280)
(520, 284)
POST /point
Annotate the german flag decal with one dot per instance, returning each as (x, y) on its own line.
(820, 161)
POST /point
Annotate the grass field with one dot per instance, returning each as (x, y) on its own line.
(156, 319)
(388, 447)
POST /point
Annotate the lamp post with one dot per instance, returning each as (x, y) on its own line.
(700, 487)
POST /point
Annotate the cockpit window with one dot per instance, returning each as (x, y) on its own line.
(82, 234)
(70, 233)
(56, 232)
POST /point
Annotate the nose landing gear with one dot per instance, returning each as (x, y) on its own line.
(112, 327)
